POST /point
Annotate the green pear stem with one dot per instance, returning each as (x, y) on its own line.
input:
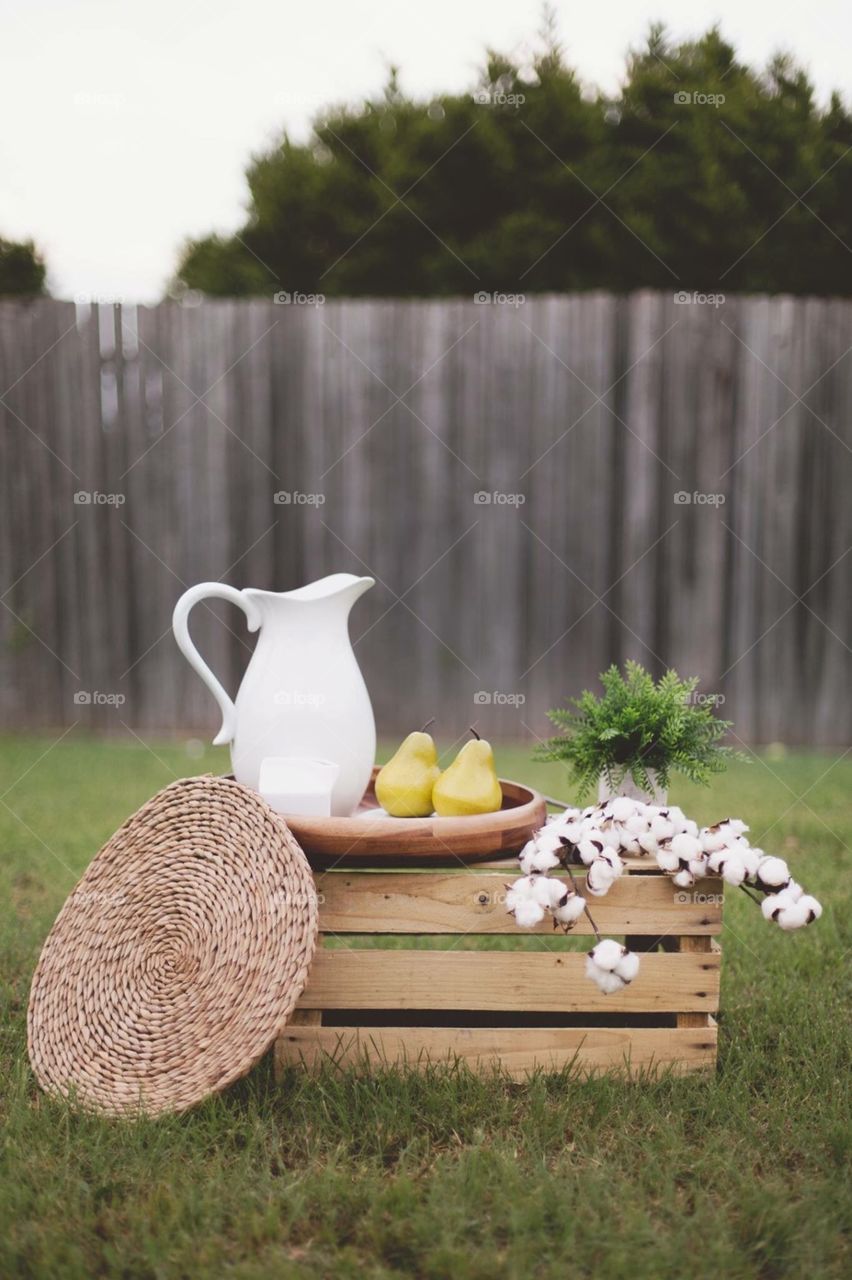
(426, 725)
(475, 734)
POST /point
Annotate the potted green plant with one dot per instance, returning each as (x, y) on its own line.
(632, 738)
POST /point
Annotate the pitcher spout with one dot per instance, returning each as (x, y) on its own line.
(336, 585)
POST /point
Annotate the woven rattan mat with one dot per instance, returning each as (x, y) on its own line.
(179, 955)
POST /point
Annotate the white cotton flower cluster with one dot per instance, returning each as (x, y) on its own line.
(601, 836)
(531, 898)
(791, 908)
(611, 965)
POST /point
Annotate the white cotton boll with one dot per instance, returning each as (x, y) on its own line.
(611, 858)
(773, 872)
(677, 817)
(637, 825)
(548, 838)
(543, 860)
(648, 842)
(738, 827)
(563, 819)
(770, 905)
(589, 850)
(686, 846)
(529, 913)
(667, 861)
(795, 891)
(661, 828)
(792, 917)
(607, 953)
(750, 858)
(798, 912)
(628, 966)
(684, 879)
(521, 891)
(611, 839)
(599, 878)
(690, 828)
(573, 831)
(622, 808)
(608, 982)
(569, 913)
(733, 870)
(526, 856)
(774, 903)
(698, 867)
(712, 840)
(549, 892)
(631, 847)
(811, 905)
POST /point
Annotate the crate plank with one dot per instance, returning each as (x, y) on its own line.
(516, 1050)
(474, 902)
(692, 946)
(520, 981)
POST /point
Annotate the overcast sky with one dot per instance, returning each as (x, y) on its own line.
(126, 127)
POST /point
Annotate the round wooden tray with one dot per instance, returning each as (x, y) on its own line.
(363, 838)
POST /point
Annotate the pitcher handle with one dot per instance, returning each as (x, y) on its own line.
(180, 626)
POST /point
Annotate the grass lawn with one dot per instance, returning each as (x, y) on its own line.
(448, 1174)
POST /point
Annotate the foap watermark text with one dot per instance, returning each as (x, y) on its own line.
(94, 498)
(496, 498)
(497, 698)
(288, 298)
(684, 98)
(683, 498)
(95, 698)
(494, 298)
(685, 297)
(295, 498)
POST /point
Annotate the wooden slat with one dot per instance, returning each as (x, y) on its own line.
(521, 981)
(486, 607)
(474, 902)
(692, 946)
(516, 1050)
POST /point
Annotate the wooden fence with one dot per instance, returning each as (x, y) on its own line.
(539, 488)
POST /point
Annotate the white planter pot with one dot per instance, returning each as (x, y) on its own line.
(627, 787)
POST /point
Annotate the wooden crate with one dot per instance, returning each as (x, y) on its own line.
(519, 1009)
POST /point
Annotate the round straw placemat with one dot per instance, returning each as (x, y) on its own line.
(179, 955)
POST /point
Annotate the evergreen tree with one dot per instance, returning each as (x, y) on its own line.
(699, 174)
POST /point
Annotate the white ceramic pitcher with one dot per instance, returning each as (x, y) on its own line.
(303, 693)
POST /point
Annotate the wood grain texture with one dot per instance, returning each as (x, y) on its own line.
(589, 412)
(517, 1050)
(693, 946)
(535, 982)
(363, 838)
(475, 902)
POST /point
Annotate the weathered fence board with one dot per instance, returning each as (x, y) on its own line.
(510, 475)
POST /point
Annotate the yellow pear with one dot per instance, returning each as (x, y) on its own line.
(404, 785)
(470, 785)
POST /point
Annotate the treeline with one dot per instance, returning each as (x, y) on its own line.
(702, 173)
(22, 269)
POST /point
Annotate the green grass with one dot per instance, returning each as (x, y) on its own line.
(739, 1174)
